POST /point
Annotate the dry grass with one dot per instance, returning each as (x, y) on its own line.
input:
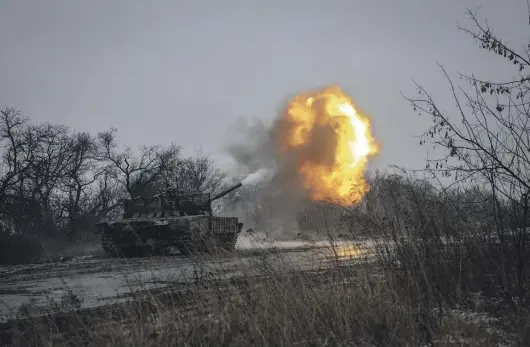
(436, 281)
(341, 306)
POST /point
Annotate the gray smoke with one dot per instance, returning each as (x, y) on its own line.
(260, 176)
(270, 183)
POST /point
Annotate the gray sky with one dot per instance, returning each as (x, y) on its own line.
(163, 71)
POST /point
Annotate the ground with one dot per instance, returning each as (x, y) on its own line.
(263, 293)
(96, 281)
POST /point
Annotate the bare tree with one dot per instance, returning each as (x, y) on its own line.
(106, 196)
(35, 158)
(77, 184)
(49, 176)
(13, 165)
(48, 157)
(135, 173)
(199, 173)
(486, 139)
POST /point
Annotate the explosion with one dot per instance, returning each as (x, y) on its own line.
(330, 142)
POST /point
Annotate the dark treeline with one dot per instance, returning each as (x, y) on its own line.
(56, 182)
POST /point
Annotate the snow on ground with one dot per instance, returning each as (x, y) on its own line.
(259, 240)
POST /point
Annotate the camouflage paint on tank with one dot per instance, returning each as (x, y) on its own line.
(184, 221)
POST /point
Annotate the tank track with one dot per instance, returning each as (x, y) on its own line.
(221, 244)
(109, 246)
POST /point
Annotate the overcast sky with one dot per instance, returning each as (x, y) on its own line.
(186, 71)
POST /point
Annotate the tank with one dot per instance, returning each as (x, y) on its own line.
(151, 226)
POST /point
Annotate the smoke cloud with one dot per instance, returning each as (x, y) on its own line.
(271, 186)
(260, 176)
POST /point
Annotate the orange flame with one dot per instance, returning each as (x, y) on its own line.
(331, 141)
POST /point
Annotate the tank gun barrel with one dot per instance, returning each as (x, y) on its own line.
(226, 191)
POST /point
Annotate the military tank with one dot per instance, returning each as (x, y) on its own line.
(152, 225)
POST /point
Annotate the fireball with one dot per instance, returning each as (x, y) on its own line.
(331, 142)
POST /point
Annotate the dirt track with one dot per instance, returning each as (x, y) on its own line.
(94, 282)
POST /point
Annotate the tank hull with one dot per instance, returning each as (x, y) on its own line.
(138, 237)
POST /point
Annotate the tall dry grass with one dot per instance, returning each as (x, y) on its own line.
(439, 278)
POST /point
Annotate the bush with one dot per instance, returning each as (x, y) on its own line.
(19, 249)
